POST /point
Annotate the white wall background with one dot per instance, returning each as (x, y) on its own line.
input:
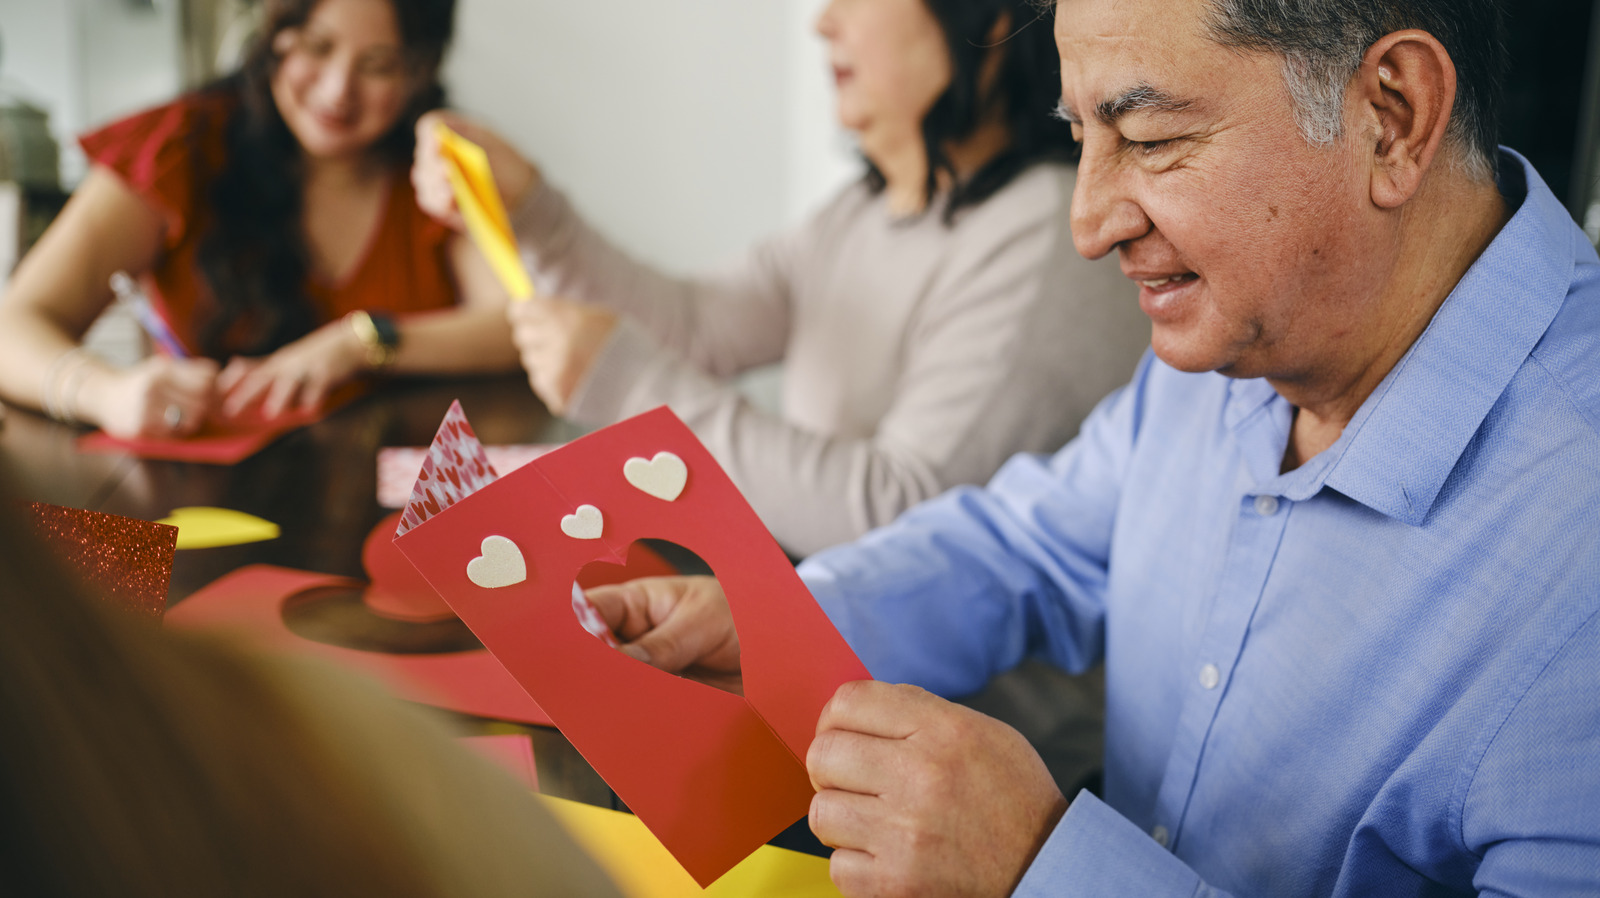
(685, 129)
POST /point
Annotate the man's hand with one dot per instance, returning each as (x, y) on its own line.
(921, 797)
(298, 376)
(558, 341)
(679, 624)
(513, 175)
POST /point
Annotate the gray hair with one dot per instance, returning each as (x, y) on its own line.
(1322, 43)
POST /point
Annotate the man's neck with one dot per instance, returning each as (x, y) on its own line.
(1445, 229)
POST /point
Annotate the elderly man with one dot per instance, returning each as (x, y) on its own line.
(1338, 542)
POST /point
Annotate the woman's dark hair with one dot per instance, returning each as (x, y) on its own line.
(253, 255)
(1026, 91)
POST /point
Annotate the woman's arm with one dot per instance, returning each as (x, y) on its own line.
(58, 290)
(723, 324)
(470, 338)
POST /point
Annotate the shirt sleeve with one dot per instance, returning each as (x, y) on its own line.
(965, 586)
(1012, 343)
(155, 153)
(1531, 810)
(722, 324)
(1095, 851)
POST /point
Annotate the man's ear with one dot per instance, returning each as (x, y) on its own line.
(1405, 89)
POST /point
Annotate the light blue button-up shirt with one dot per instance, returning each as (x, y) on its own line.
(1378, 674)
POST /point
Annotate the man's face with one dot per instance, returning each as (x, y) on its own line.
(1256, 253)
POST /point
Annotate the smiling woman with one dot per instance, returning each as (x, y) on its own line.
(271, 222)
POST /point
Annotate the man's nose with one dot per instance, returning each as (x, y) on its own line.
(1104, 211)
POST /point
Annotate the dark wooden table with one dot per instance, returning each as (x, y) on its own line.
(319, 485)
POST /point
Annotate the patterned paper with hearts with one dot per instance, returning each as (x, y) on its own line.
(456, 467)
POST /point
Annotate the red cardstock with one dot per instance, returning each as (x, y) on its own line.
(125, 561)
(712, 774)
(251, 601)
(220, 441)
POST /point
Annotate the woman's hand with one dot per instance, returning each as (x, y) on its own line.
(558, 341)
(159, 397)
(681, 625)
(513, 174)
(298, 376)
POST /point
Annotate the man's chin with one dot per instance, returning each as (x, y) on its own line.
(1186, 355)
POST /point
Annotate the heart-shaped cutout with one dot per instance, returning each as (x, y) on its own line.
(501, 564)
(585, 523)
(663, 476)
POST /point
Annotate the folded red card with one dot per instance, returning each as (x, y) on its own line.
(712, 774)
(126, 561)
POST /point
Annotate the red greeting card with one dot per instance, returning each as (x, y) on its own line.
(712, 774)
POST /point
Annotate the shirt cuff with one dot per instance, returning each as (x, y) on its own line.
(602, 397)
(541, 217)
(1096, 851)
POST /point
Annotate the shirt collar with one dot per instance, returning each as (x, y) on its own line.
(1396, 453)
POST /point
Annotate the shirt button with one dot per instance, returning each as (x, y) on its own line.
(1266, 506)
(1210, 676)
(1160, 835)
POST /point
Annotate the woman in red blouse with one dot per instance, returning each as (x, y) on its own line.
(271, 221)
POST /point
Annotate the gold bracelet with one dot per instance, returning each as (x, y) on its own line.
(377, 335)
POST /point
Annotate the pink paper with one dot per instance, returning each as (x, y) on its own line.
(398, 467)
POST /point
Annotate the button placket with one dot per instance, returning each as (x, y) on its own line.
(1248, 566)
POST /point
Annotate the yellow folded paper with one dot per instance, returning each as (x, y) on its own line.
(467, 166)
(208, 528)
(642, 868)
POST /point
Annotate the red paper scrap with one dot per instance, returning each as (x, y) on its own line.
(220, 441)
(126, 561)
(712, 774)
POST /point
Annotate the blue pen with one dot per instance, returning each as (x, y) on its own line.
(130, 294)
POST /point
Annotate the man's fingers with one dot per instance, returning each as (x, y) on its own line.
(888, 710)
(624, 608)
(845, 820)
(853, 762)
(851, 871)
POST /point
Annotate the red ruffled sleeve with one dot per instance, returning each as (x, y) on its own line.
(166, 155)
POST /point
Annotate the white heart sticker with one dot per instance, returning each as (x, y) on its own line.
(501, 564)
(585, 523)
(663, 476)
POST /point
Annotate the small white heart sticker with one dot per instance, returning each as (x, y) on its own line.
(585, 523)
(501, 564)
(663, 476)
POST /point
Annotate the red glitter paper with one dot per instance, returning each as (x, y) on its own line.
(125, 561)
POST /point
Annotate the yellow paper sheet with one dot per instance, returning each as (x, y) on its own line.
(467, 166)
(642, 868)
(206, 528)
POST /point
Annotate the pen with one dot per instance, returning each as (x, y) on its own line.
(132, 296)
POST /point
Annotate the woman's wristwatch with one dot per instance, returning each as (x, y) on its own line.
(378, 334)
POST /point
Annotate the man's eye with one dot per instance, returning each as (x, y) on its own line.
(1150, 147)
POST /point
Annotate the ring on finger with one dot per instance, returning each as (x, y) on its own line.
(173, 416)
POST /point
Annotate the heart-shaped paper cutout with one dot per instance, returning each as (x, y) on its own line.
(207, 528)
(501, 564)
(585, 523)
(663, 476)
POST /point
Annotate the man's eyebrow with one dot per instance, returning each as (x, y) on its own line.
(1140, 98)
